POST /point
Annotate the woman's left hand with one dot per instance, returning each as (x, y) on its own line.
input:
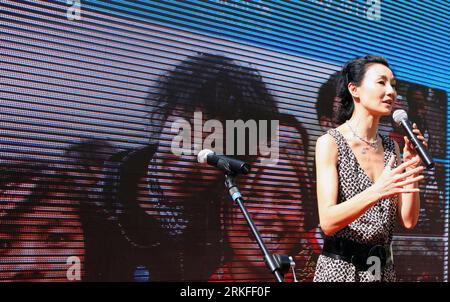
(408, 151)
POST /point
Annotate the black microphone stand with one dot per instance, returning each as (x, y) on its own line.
(277, 263)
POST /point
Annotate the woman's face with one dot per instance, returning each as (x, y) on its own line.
(377, 92)
(181, 174)
(36, 245)
(273, 196)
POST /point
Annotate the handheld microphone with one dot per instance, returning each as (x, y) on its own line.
(227, 164)
(401, 118)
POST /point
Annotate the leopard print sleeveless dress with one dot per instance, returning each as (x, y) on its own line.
(375, 226)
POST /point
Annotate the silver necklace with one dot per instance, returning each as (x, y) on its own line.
(373, 144)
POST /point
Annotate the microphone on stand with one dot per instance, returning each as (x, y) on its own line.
(401, 118)
(277, 264)
(227, 164)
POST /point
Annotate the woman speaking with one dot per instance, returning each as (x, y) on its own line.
(363, 186)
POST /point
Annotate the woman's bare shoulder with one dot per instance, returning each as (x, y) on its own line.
(326, 147)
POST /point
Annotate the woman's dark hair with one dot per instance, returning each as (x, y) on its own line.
(223, 89)
(353, 72)
(413, 89)
(326, 95)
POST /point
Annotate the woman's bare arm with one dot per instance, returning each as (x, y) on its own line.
(333, 216)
